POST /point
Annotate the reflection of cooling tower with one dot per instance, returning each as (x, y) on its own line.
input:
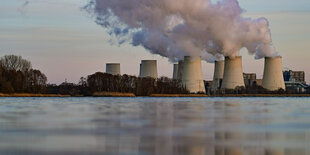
(218, 75)
(233, 74)
(273, 75)
(113, 68)
(192, 75)
(148, 68)
(180, 69)
(175, 71)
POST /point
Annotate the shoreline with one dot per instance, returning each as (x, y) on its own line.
(231, 95)
(113, 94)
(32, 95)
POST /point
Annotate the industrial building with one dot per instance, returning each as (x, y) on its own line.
(295, 81)
(298, 76)
(249, 79)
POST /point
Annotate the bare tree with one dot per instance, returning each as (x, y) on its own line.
(17, 63)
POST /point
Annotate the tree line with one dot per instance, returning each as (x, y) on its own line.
(18, 76)
(103, 82)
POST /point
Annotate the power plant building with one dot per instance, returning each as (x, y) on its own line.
(273, 75)
(192, 75)
(113, 68)
(148, 68)
(249, 79)
(298, 76)
(233, 74)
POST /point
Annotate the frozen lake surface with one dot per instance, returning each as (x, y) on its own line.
(162, 126)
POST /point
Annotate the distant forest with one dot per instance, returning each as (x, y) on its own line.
(18, 76)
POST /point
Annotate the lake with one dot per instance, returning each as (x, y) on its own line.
(161, 126)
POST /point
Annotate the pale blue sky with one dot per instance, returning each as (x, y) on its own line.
(64, 42)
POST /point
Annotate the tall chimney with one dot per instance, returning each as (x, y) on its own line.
(113, 68)
(233, 74)
(175, 71)
(218, 75)
(148, 68)
(273, 74)
(192, 75)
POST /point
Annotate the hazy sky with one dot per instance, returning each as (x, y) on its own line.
(65, 43)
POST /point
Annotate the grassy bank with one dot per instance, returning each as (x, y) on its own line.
(231, 95)
(113, 94)
(32, 95)
(179, 95)
(263, 95)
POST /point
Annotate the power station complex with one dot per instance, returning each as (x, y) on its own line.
(228, 74)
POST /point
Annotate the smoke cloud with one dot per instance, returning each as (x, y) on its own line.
(175, 29)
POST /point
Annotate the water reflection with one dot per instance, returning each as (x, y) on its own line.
(192, 126)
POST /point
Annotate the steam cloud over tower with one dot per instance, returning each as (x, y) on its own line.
(273, 75)
(148, 68)
(113, 68)
(192, 75)
(233, 74)
(175, 71)
(218, 75)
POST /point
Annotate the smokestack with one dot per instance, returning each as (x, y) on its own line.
(148, 68)
(113, 68)
(233, 74)
(175, 71)
(273, 75)
(192, 75)
(180, 69)
(218, 75)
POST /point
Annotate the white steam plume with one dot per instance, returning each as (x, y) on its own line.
(175, 29)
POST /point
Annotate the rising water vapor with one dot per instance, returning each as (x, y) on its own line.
(175, 29)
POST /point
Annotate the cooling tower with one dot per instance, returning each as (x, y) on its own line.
(233, 74)
(273, 75)
(148, 68)
(113, 68)
(175, 71)
(218, 75)
(180, 69)
(140, 69)
(192, 75)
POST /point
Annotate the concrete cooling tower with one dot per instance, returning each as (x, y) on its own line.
(192, 75)
(113, 68)
(148, 68)
(233, 74)
(218, 75)
(180, 69)
(175, 71)
(140, 69)
(273, 75)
